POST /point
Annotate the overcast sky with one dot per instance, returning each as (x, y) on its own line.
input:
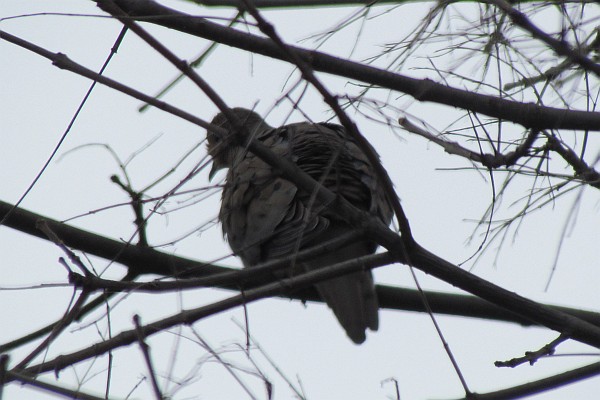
(37, 102)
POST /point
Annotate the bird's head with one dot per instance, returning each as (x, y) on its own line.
(222, 148)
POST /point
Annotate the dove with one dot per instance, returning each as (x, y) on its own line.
(265, 216)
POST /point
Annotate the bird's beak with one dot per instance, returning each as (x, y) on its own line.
(213, 171)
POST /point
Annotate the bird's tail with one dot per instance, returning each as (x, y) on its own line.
(351, 297)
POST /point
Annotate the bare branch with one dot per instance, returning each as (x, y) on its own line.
(50, 388)
(532, 357)
(542, 385)
(189, 317)
(61, 61)
(560, 47)
(528, 114)
(146, 352)
(582, 171)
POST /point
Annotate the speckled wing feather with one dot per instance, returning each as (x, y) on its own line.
(327, 153)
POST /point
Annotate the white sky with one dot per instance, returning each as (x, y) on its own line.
(37, 101)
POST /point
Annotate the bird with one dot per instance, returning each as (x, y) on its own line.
(264, 216)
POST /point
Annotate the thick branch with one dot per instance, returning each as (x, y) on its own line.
(542, 385)
(149, 261)
(189, 317)
(526, 114)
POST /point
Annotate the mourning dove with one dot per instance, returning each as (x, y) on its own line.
(265, 216)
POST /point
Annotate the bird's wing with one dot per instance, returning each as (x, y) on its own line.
(331, 157)
(357, 168)
(261, 213)
(254, 203)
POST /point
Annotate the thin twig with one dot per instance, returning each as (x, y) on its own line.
(532, 357)
(146, 352)
(57, 328)
(225, 364)
(113, 51)
(51, 388)
(271, 362)
(559, 46)
(492, 161)
(53, 237)
(137, 204)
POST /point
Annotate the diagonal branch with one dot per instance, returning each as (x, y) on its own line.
(188, 317)
(145, 348)
(488, 160)
(27, 379)
(191, 316)
(560, 47)
(150, 261)
(582, 170)
(526, 114)
(541, 385)
(532, 357)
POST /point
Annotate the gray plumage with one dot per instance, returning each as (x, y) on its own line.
(265, 216)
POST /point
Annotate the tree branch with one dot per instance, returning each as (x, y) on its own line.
(488, 160)
(150, 261)
(27, 379)
(560, 47)
(526, 114)
(582, 171)
(542, 385)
